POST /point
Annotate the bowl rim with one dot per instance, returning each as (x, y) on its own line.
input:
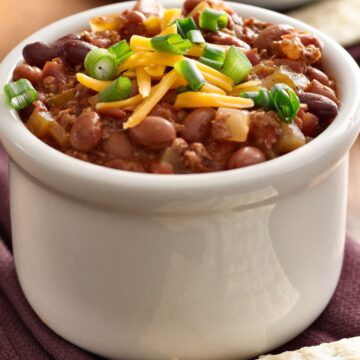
(26, 149)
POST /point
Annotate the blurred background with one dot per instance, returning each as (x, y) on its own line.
(338, 18)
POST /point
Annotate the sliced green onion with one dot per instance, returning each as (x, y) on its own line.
(189, 71)
(118, 90)
(183, 89)
(171, 43)
(20, 94)
(195, 36)
(213, 20)
(236, 65)
(100, 64)
(213, 56)
(185, 25)
(121, 51)
(286, 102)
(262, 98)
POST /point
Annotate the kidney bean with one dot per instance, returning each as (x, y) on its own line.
(316, 74)
(121, 164)
(118, 145)
(75, 51)
(134, 24)
(149, 7)
(153, 132)
(197, 125)
(317, 87)
(86, 132)
(25, 71)
(270, 34)
(38, 53)
(319, 105)
(248, 155)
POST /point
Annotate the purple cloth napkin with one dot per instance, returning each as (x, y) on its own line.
(23, 336)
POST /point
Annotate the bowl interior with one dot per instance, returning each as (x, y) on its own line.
(36, 157)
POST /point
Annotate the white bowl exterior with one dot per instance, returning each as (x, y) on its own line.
(223, 285)
(220, 265)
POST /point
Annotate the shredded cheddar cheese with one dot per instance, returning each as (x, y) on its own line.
(153, 24)
(91, 83)
(209, 88)
(201, 99)
(253, 85)
(144, 82)
(198, 8)
(149, 103)
(169, 16)
(140, 43)
(133, 101)
(169, 30)
(155, 71)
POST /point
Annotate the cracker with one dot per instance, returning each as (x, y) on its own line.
(346, 349)
(337, 18)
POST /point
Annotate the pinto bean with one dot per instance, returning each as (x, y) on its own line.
(248, 155)
(25, 71)
(75, 51)
(118, 145)
(153, 132)
(86, 132)
(149, 7)
(38, 53)
(270, 34)
(316, 74)
(222, 38)
(197, 125)
(317, 87)
(319, 105)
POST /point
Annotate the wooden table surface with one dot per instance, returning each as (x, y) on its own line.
(16, 23)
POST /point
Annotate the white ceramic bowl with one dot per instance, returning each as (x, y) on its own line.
(210, 266)
(276, 4)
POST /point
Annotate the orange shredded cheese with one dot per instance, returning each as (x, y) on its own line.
(201, 99)
(144, 82)
(133, 101)
(91, 83)
(169, 16)
(149, 103)
(199, 7)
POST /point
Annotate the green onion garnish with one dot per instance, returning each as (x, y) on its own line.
(121, 51)
(286, 102)
(20, 94)
(100, 64)
(262, 98)
(118, 90)
(195, 36)
(189, 71)
(213, 20)
(213, 56)
(236, 65)
(185, 25)
(172, 43)
(183, 89)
